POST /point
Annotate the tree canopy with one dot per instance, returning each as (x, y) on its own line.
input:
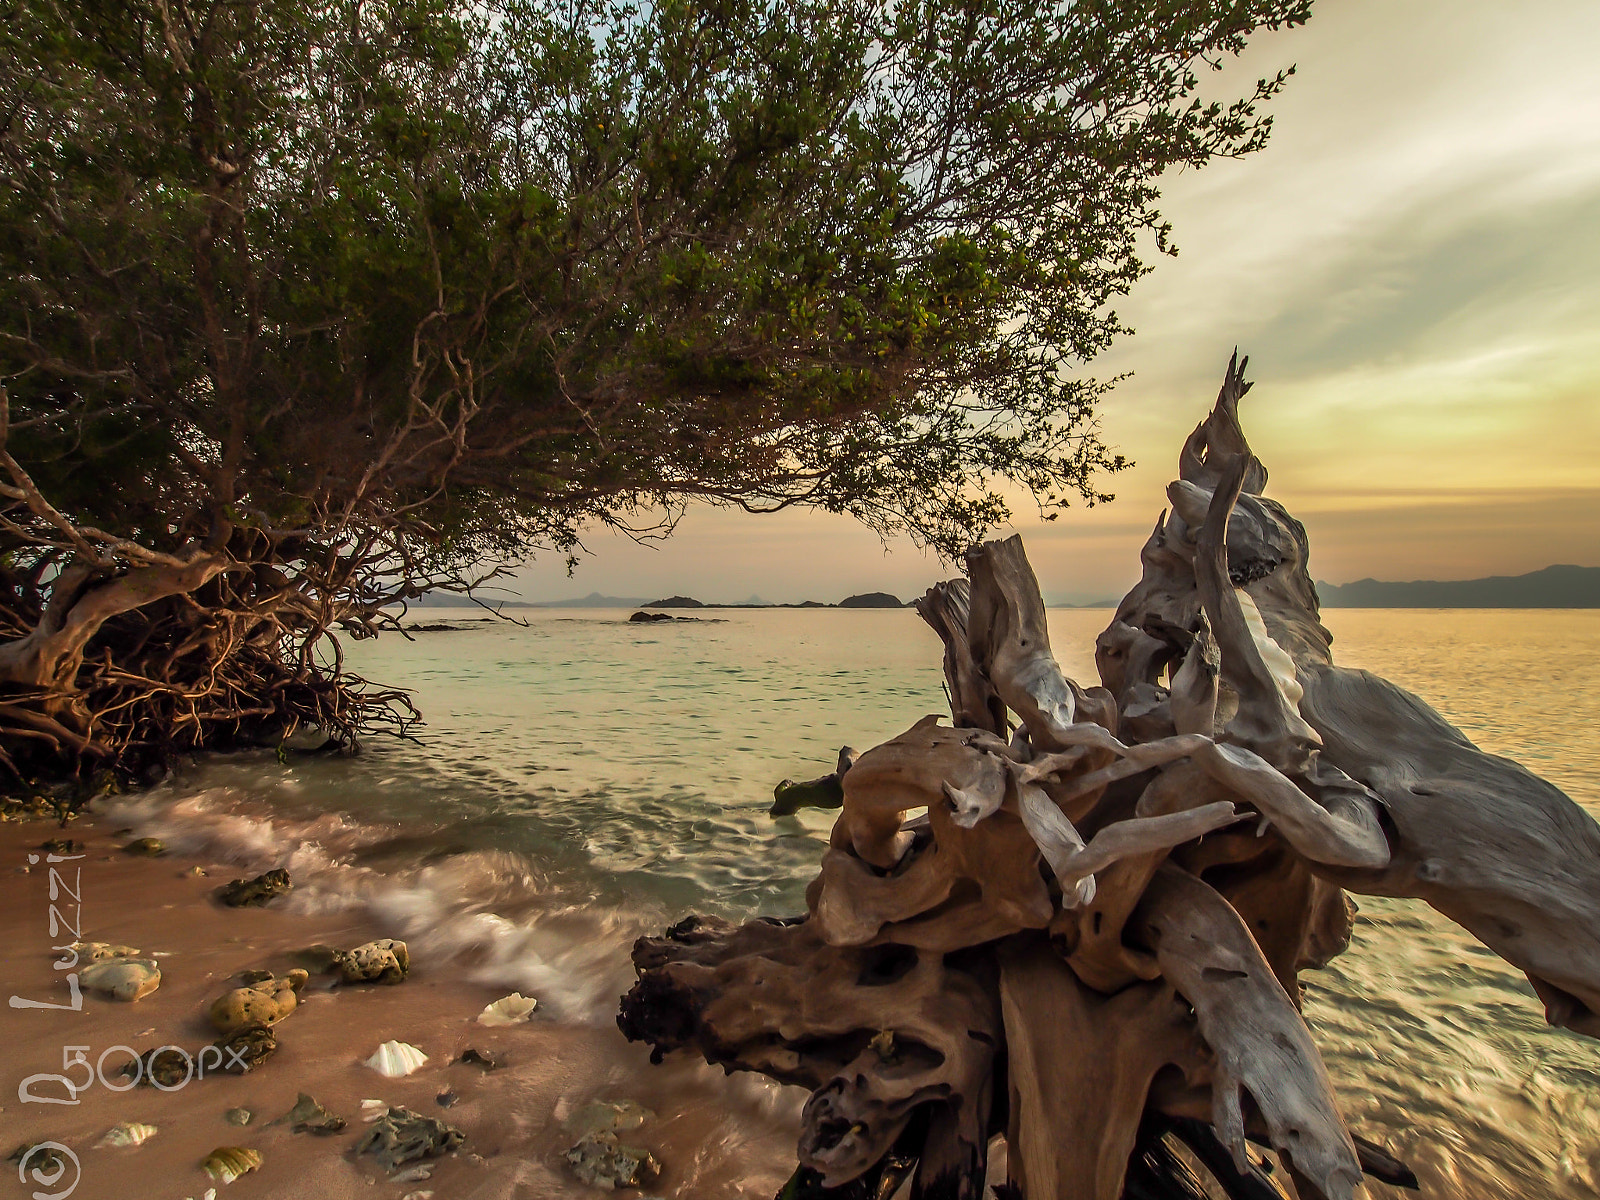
(306, 307)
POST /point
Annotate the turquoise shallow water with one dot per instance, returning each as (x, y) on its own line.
(618, 775)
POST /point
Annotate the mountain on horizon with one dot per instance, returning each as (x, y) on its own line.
(1553, 587)
(489, 600)
(592, 600)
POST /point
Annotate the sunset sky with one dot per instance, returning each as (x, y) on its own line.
(1413, 266)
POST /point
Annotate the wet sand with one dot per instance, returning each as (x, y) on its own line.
(715, 1137)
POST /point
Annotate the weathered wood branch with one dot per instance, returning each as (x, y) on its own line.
(1503, 853)
(51, 653)
(1009, 641)
(1260, 673)
(973, 703)
(1078, 1096)
(1262, 1047)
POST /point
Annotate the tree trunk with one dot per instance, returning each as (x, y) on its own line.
(48, 658)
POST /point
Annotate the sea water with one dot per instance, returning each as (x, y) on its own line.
(582, 779)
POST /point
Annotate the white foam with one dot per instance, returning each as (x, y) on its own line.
(567, 951)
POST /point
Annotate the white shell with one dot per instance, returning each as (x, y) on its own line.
(509, 1010)
(395, 1059)
(127, 1133)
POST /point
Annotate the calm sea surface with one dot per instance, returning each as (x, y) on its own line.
(583, 779)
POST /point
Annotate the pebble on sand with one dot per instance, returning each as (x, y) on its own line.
(603, 1162)
(383, 961)
(262, 1003)
(122, 978)
(241, 893)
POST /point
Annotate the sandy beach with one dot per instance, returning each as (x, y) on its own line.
(714, 1137)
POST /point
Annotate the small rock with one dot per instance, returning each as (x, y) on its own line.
(227, 1163)
(238, 1116)
(384, 961)
(196, 873)
(122, 978)
(246, 1049)
(146, 847)
(412, 1175)
(447, 1099)
(61, 846)
(417, 1196)
(487, 1059)
(47, 1159)
(170, 1068)
(401, 1136)
(307, 1116)
(99, 951)
(601, 1161)
(248, 892)
(318, 958)
(266, 1003)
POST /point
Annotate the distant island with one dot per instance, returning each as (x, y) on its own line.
(592, 600)
(1553, 587)
(865, 600)
(596, 600)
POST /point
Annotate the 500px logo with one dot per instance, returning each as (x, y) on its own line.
(73, 1058)
(51, 1160)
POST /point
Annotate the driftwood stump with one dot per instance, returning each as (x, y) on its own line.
(1076, 917)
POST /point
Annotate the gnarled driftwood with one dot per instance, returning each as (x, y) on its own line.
(1077, 917)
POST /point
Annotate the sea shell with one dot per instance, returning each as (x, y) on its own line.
(395, 1059)
(127, 1133)
(227, 1163)
(509, 1010)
